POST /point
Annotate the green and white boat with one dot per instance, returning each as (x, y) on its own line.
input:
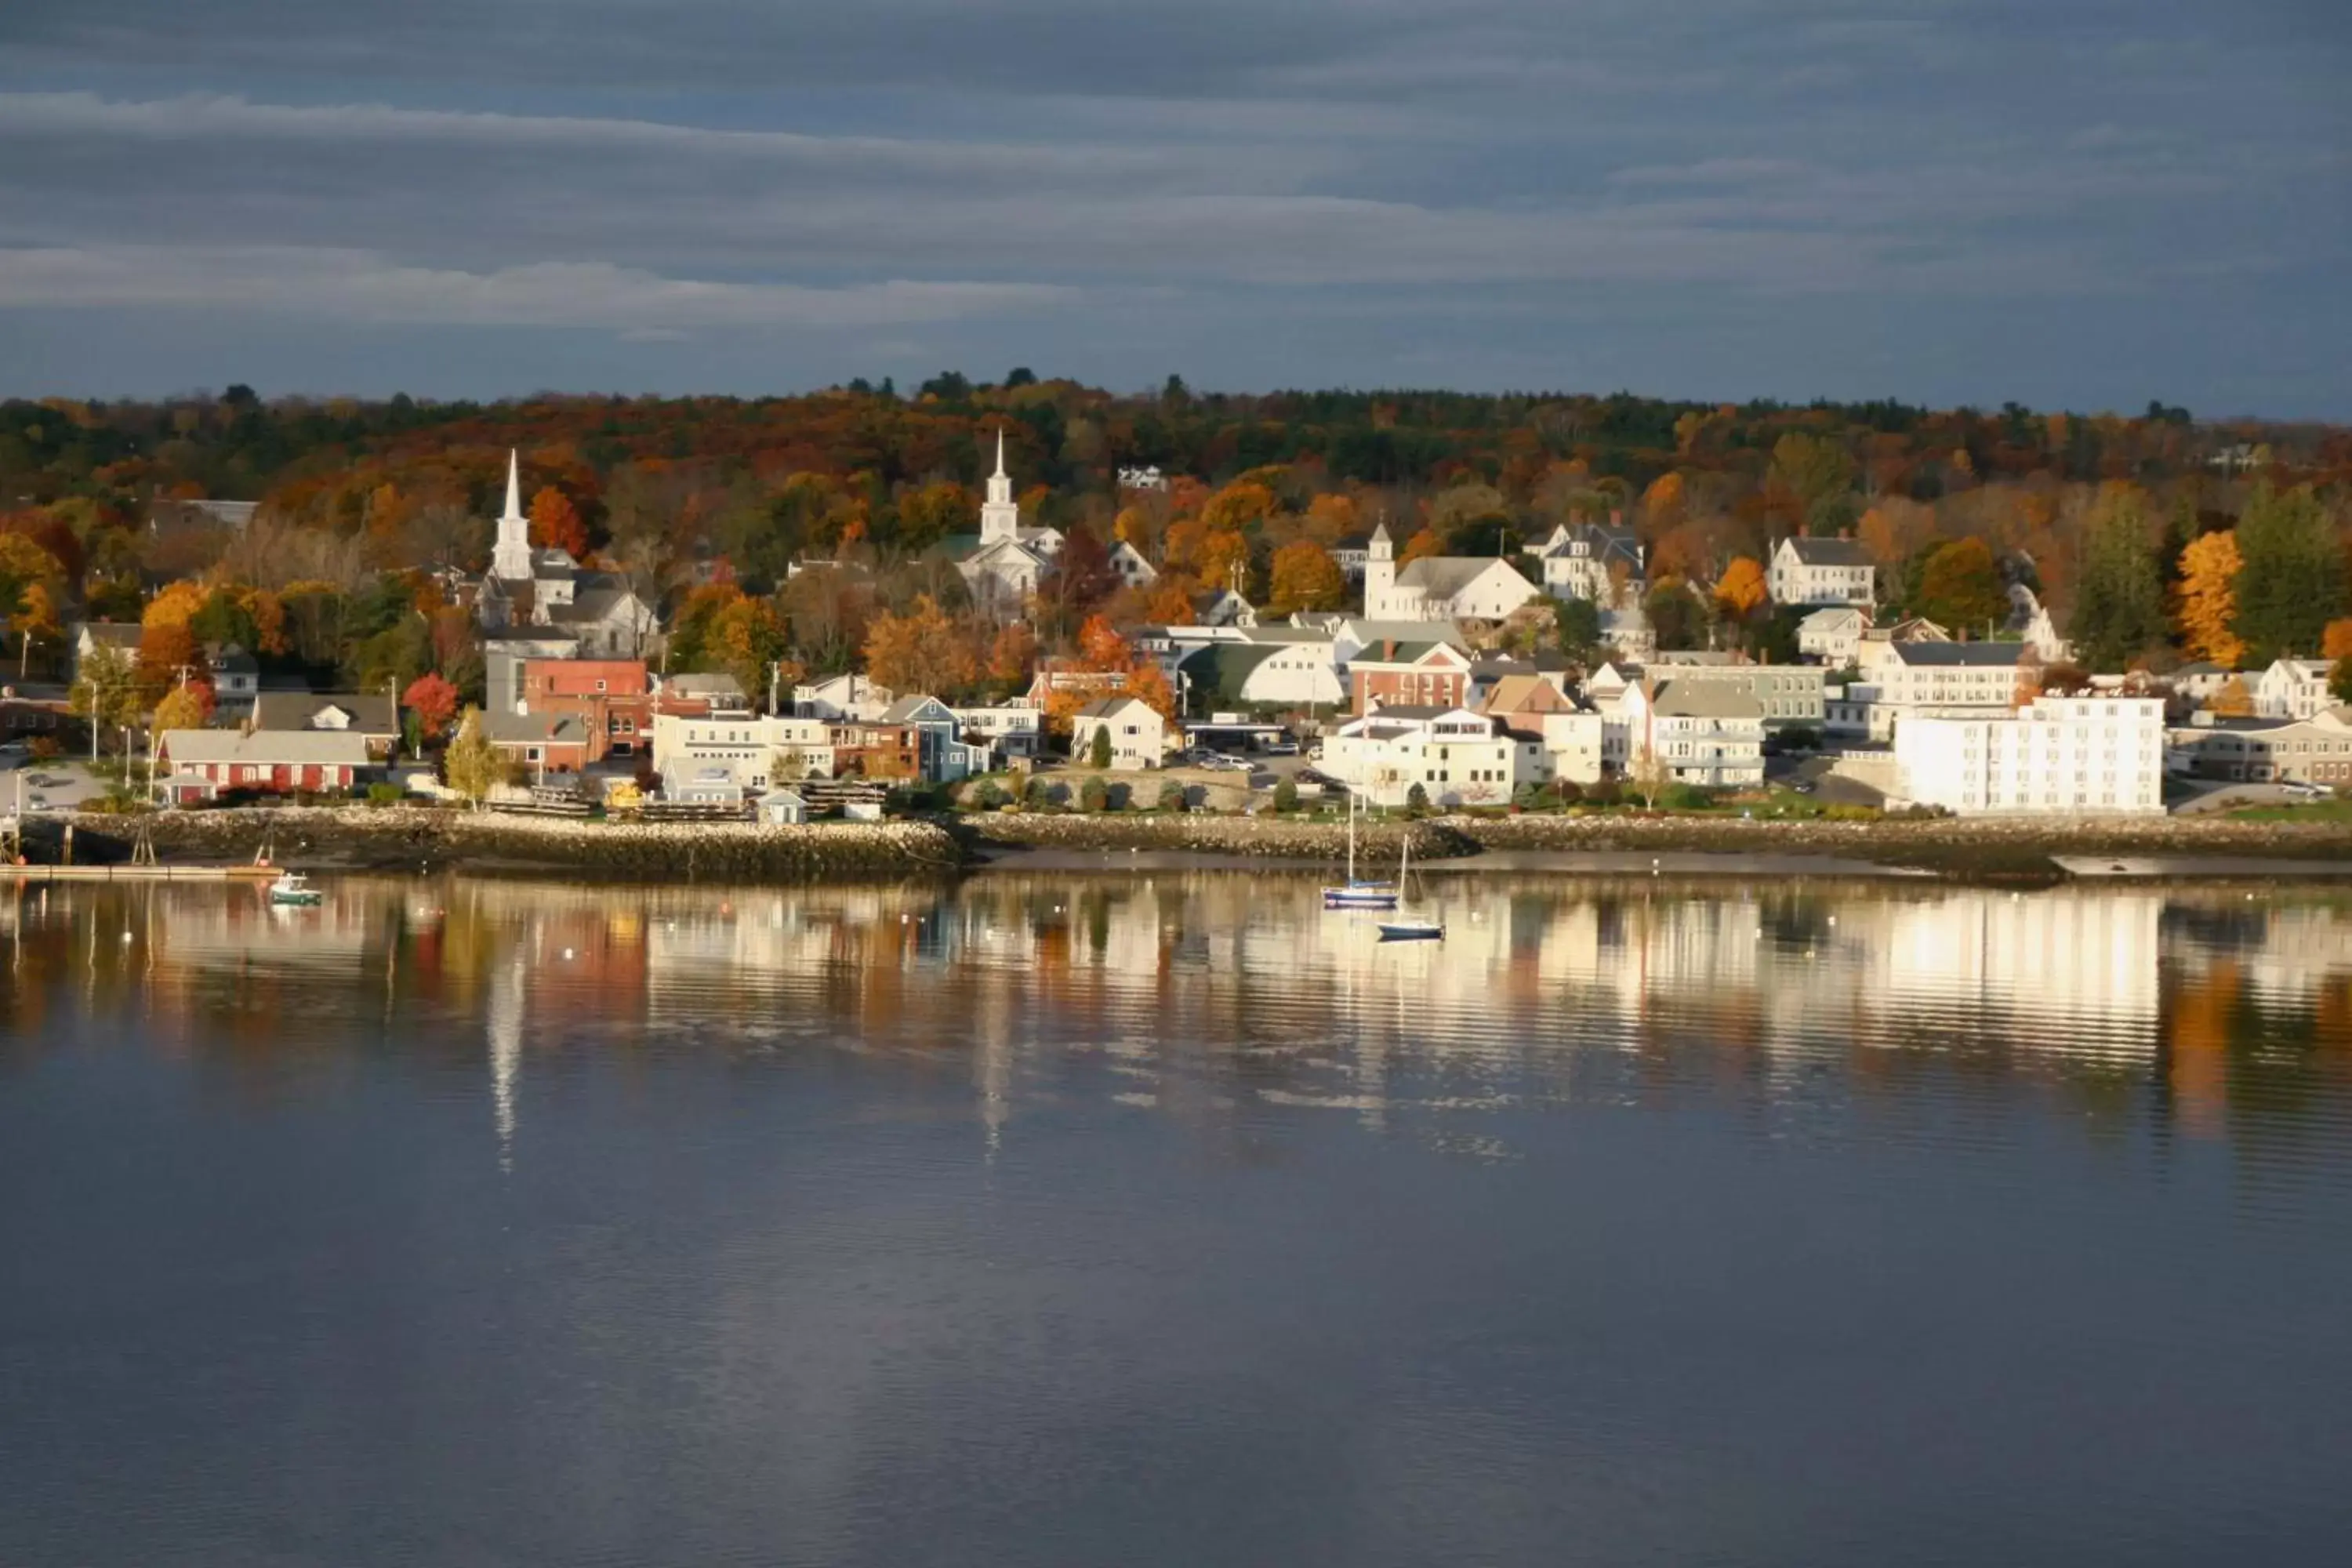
(293, 888)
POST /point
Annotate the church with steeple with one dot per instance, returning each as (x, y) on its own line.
(1011, 561)
(544, 596)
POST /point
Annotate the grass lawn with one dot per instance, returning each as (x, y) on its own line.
(2309, 811)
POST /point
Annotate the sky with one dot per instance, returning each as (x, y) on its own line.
(2076, 204)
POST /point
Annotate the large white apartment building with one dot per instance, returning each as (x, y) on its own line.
(2059, 755)
(1457, 756)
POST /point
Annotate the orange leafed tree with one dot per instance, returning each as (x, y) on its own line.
(2234, 701)
(1422, 544)
(1741, 589)
(175, 605)
(919, 651)
(1169, 603)
(1664, 504)
(2209, 599)
(1012, 653)
(2336, 641)
(1305, 577)
(555, 521)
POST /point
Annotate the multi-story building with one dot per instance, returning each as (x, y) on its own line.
(1420, 674)
(1788, 696)
(612, 698)
(1905, 680)
(1139, 735)
(2058, 755)
(1696, 732)
(1833, 636)
(748, 749)
(2292, 688)
(1602, 564)
(1821, 572)
(2296, 751)
(1456, 756)
(1569, 738)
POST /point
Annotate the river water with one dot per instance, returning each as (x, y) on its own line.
(1164, 1219)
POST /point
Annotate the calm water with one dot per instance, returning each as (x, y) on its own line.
(1166, 1219)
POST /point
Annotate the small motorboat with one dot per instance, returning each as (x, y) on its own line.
(293, 888)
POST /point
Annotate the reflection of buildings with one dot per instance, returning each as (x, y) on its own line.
(1199, 993)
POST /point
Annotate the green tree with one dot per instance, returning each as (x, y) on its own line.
(2291, 583)
(1094, 795)
(1172, 795)
(1098, 748)
(1285, 794)
(472, 764)
(106, 693)
(1416, 799)
(1817, 474)
(2119, 603)
(1961, 587)
(1577, 621)
(1676, 615)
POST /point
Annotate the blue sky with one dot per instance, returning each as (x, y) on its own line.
(2082, 205)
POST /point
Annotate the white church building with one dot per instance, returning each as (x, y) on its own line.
(545, 590)
(1011, 560)
(1441, 587)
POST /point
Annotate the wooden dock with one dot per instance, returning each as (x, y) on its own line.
(132, 873)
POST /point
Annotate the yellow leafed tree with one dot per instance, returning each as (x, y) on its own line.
(2209, 599)
(1305, 577)
(1741, 589)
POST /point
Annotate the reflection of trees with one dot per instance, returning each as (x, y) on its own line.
(1202, 993)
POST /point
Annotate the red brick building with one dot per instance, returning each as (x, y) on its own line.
(1389, 674)
(611, 699)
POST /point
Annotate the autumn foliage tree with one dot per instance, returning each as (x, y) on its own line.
(1961, 587)
(188, 706)
(919, 652)
(555, 523)
(2206, 609)
(1305, 577)
(433, 701)
(1741, 591)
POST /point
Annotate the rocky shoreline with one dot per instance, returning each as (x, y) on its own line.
(404, 837)
(412, 837)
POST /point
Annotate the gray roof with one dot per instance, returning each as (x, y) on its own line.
(1683, 699)
(121, 634)
(185, 747)
(1104, 707)
(1364, 630)
(1415, 710)
(1960, 655)
(372, 713)
(1442, 576)
(908, 709)
(698, 684)
(1829, 551)
(505, 729)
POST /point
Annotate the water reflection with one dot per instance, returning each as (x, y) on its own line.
(2222, 1012)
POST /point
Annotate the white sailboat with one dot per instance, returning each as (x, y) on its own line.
(1407, 926)
(1354, 894)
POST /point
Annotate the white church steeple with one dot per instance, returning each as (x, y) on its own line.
(511, 559)
(1000, 515)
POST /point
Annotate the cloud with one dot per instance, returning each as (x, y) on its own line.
(362, 287)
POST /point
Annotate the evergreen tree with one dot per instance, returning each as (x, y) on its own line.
(2119, 605)
(1098, 749)
(2291, 583)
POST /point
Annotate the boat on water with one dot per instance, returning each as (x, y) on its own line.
(1408, 926)
(293, 888)
(1356, 893)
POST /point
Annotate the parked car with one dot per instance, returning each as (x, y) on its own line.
(1280, 748)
